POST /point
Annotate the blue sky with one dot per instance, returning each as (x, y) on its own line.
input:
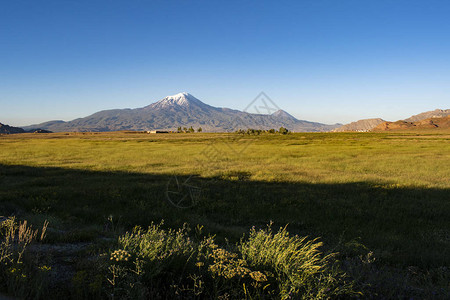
(326, 61)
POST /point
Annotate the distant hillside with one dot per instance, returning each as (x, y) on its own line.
(437, 113)
(430, 123)
(371, 124)
(361, 125)
(182, 110)
(6, 129)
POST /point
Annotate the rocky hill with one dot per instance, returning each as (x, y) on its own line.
(437, 113)
(430, 123)
(361, 125)
(379, 124)
(6, 129)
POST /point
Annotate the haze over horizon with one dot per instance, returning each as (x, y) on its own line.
(322, 61)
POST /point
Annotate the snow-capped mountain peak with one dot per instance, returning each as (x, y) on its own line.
(180, 99)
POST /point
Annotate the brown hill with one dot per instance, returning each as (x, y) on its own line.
(430, 123)
(361, 125)
(437, 113)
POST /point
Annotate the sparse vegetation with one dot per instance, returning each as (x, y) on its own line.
(377, 201)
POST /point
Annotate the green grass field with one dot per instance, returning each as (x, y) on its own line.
(365, 195)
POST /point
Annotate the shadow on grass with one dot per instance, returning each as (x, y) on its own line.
(404, 226)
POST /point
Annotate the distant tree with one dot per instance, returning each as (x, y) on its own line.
(199, 129)
(191, 129)
(283, 130)
(271, 130)
(185, 130)
(179, 129)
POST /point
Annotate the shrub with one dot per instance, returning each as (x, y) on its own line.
(147, 260)
(160, 249)
(300, 269)
(158, 263)
(283, 130)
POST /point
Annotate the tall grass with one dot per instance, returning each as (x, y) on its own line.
(20, 277)
(300, 269)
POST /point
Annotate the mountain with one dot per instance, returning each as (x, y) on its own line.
(430, 123)
(181, 110)
(6, 129)
(437, 113)
(361, 125)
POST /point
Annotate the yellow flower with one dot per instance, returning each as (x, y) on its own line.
(258, 276)
(45, 268)
(119, 255)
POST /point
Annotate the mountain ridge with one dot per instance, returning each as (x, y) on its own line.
(429, 123)
(181, 110)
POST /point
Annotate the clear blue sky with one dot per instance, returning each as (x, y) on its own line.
(327, 61)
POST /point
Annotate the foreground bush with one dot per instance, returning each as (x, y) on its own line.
(158, 263)
(299, 268)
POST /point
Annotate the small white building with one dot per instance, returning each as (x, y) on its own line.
(157, 131)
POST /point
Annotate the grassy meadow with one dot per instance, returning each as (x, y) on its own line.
(379, 201)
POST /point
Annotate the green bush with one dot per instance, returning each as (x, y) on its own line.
(160, 249)
(167, 263)
(149, 260)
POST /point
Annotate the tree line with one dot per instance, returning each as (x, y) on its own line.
(251, 131)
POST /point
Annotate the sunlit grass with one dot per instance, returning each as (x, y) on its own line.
(311, 158)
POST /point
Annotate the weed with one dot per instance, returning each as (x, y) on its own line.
(21, 277)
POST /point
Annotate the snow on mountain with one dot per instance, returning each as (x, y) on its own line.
(180, 99)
